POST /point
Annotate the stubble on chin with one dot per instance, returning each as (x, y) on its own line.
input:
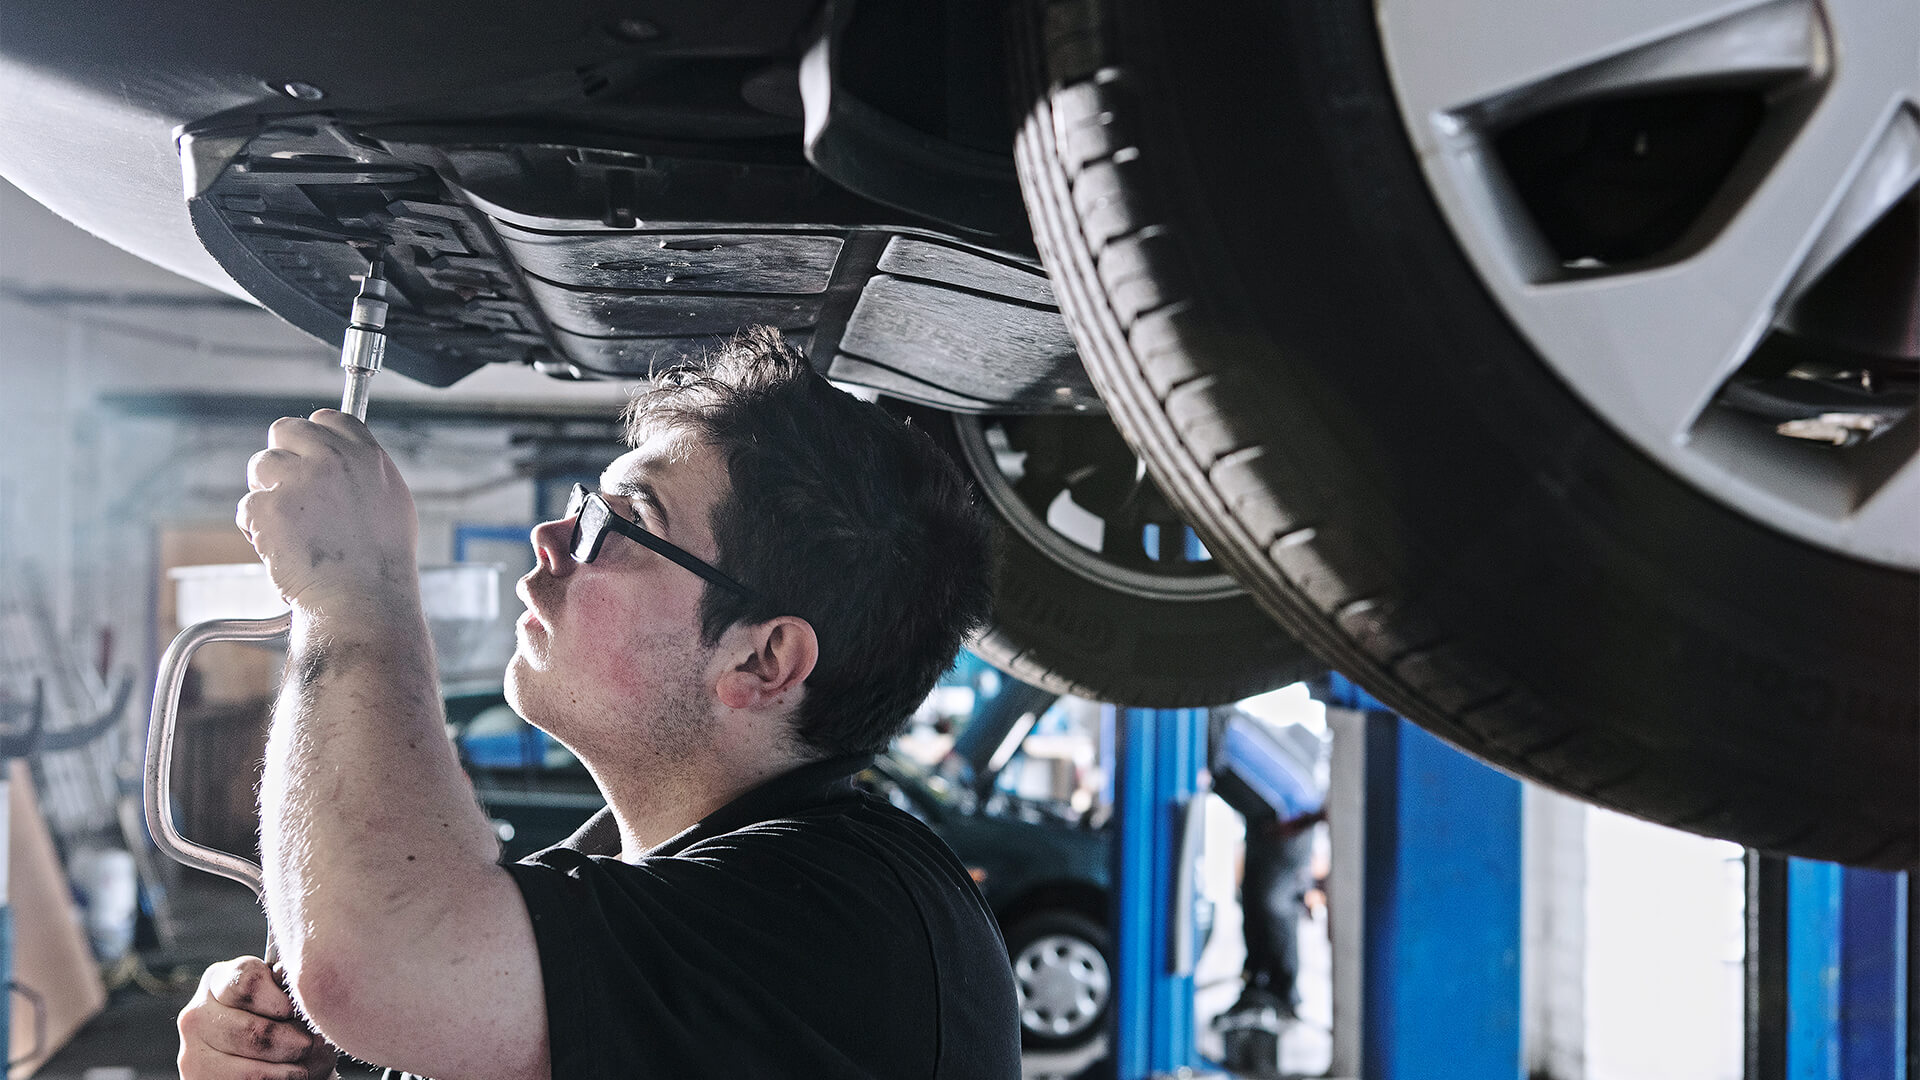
(514, 682)
(645, 727)
(678, 725)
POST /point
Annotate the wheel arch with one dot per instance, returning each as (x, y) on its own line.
(1081, 897)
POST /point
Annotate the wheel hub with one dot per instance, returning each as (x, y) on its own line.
(1063, 983)
(1073, 489)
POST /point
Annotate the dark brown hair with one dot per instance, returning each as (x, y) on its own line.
(841, 514)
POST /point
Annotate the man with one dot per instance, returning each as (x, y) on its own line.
(752, 604)
(1276, 872)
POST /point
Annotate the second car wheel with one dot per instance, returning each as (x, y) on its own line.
(1102, 591)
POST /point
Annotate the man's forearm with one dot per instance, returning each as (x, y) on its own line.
(368, 825)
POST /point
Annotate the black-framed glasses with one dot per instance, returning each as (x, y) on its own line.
(592, 517)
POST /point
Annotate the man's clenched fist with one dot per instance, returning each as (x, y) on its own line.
(241, 1024)
(329, 516)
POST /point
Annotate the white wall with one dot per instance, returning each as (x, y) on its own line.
(1634, 947)
(1664, 953)
(1554, 933)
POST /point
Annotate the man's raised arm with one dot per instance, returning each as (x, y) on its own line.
(402, 939)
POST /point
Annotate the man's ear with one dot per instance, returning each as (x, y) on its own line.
(770, 662)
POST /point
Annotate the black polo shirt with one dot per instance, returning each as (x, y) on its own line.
(806, 929)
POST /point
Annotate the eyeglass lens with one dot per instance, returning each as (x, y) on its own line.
(589, 520)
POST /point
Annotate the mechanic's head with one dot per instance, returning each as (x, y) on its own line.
(837, 513)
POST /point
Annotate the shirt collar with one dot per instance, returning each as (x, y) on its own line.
(804, 786)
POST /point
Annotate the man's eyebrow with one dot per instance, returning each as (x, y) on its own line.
(641, 491)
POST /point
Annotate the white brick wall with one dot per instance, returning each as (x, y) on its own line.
(1663, 964)
(1554, 929)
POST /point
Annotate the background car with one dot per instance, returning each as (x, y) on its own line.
(1549, 371)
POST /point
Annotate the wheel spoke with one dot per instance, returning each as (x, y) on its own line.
(1125, 527)
(1464, 53)
(1099, 538)
(1650, 349)
(1890, 171)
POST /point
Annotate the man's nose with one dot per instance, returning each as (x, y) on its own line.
(550, 546)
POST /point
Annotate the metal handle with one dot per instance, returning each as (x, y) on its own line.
(363, 350)
(158, 788)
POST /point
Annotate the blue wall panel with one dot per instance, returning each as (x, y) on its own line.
(1813, 970)
(1873, 988)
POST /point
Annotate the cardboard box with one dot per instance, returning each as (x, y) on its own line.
(50, 954)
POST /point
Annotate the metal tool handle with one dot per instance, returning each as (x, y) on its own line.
(158, 787)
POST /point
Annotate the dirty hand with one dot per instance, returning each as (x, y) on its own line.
(241, 1024)
(329, 515)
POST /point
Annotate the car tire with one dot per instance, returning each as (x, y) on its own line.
(1063, 969)
(1075, 621)
(1285, 328)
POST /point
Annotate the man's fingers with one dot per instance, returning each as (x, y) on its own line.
(204, 1064)
(247, 516)
(324, 429)
(241, 1025)
(248, 984)
(342, 424)
(269, 467)
(254, 1037)
(294, 433)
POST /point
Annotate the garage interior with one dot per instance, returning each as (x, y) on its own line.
(1459, 922)
(1456, 472)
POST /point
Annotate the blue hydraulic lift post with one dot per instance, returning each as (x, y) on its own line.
(1158, 756)
(1440, 990)
(1846, 973)
(1813, 970)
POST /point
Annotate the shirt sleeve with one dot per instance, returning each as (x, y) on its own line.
(774, 951)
